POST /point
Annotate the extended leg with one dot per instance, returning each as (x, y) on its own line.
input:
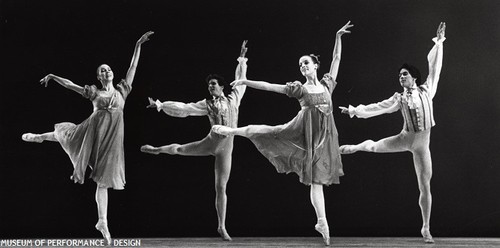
(396, 143)
(39, 138)
(423, 168)
(246, 131)
(101, 198)
(318, 202)
(203, 147)
(222, 171)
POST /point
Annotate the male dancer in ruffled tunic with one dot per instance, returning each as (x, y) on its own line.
(415, 104)
(221, 110)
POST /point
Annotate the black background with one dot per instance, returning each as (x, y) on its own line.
(173, 196)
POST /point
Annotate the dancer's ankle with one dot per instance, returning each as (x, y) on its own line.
(322, 221)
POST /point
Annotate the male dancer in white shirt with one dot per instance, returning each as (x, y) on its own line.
(220, 110)
(415, 104)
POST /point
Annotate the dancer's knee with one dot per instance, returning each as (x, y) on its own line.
(424, 182)
(250, 130)
(424, 173)
(177, 149)
(220, 187)
(221, 183)
(370, 146)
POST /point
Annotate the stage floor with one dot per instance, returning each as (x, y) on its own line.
(310, 242)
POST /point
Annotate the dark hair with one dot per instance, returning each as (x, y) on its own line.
(314, 58)
(220, 79)
(414, 72)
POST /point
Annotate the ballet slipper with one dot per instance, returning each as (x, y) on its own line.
(102, 226)
(31, 137)
(223, 233)
(426, 234)
(325, 232)
(346, 149)
(150, 149)
(222, 130)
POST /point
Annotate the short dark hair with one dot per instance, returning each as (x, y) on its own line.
(414, 72)
(220, 79)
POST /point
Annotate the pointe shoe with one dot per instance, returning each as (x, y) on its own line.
(224, 235)
(426, 234)
(149, 149)
(31, 137)
(103, 228)
(325, 232)
(222, 130)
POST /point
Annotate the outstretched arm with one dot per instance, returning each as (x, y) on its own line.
(337, 50)
(66, 83)
(386, 106)
(435, 58)
(179, 109)
(135, 58)
(260, 85)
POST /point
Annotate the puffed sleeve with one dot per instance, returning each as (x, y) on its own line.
(179, 109)
(294, 89)
(328, 81)
(389, 105)
(89, 92)
(124, 88)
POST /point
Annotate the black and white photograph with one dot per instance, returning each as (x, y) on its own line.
(263, 123)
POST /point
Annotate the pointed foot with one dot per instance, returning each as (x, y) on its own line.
(347, 149)
(103, 228)
(222, 130)
(31, 137)
(325, 232)
(224, 235)
(150, 149)
(426, 234)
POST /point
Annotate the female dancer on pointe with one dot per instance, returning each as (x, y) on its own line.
(415, 104)
(308, 144)
(98, 140)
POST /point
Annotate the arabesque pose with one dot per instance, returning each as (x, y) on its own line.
(415, 104)
(97, 142)
(308, 144)
(222, 110)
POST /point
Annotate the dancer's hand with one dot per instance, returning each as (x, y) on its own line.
(344, 30)
(244, 49)
(441, 30)
(238, 82)
(45, 80)
(152, 103)
(344, 110)
(145, 37)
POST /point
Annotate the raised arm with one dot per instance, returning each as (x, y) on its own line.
(240, 73)
(241, 68)
(260, 85)
(337, 50)
(435, 59)
(135, 58)
(179, 109)
(66, 83)
(241, 77)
